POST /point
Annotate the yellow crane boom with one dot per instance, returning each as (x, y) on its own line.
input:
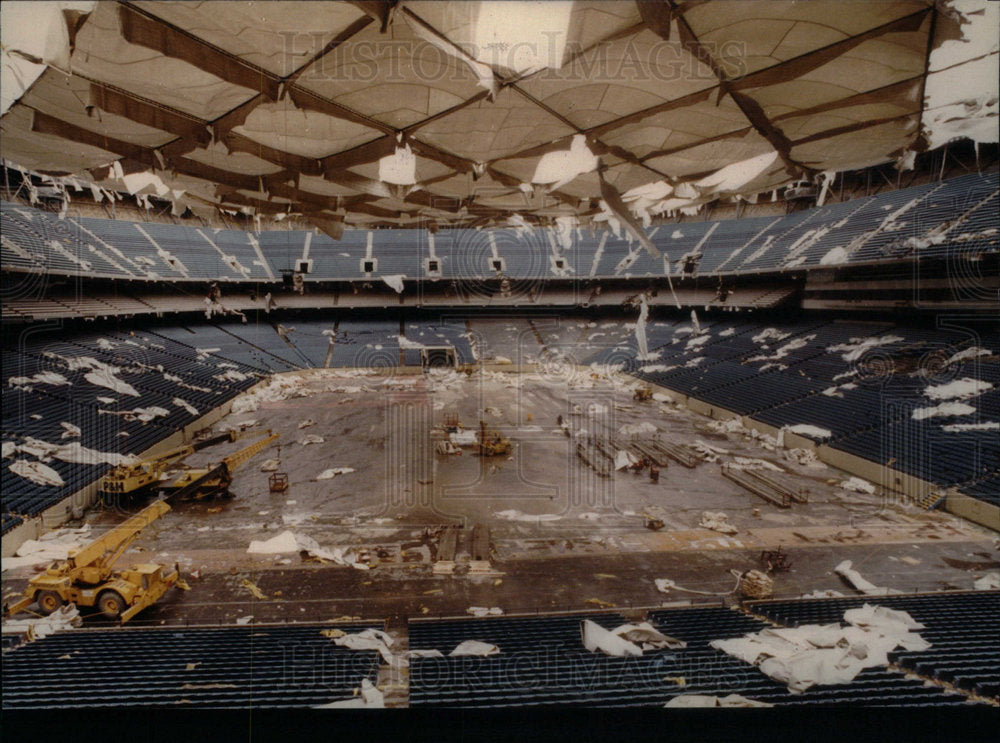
(104, 551)
(86, 577)
(126, 479)
(210, 481)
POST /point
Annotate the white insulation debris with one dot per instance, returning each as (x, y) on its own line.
(944, 410)
(813, 432)
(706, 700)
(484, 611)
(625, 640)
(474, 648)
(957, 389)
(810, 655)
(38, 473)
(329, 474)
(855, 578)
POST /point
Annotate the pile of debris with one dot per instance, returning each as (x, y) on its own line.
(355, 557)
(625, 640)
(814, 654)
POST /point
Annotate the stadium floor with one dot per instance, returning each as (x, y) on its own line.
(586, 550)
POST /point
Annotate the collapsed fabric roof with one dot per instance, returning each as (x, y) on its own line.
(402, 113)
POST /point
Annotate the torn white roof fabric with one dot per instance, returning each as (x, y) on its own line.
(474, 648)
(524, 80)
(810, 655)
(855, 578)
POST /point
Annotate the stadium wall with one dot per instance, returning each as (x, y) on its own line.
(973, 509)
(63, 511)
(913, 489)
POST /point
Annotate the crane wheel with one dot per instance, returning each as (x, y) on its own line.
(111, 604)
(48, 601)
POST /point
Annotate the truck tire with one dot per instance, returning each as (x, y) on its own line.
(111, 604)
(48, 602)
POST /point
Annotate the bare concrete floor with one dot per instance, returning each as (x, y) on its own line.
(563, 537)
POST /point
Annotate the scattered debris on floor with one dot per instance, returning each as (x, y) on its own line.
(637, 429)
(462, 437)
(270, 465)
(253, 588)
(857, 485)
(284, 542)
(818, 594)
(665, 585)
(717, 521)
(775, 561)
(625, 459)
(855, 579)
(482, 611)
(51, 547)
(811, 431)
(989, 582)
(707, 451)
(750, 463)
(66, 617)
(331, 473)
(804, 457)
(281, 387)
(512, 514)
(754, 584)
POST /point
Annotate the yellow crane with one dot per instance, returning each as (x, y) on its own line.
(87, 577)
(491, 443)
(130, 479)
(208, 481)
(643, 393)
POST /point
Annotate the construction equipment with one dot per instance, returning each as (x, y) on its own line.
(653, 523)
(491, 443)
(451, 423)
(775, 561)
(206, 482)
(87, 577)
(278, 482)
(643, 394)
(132, 479)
